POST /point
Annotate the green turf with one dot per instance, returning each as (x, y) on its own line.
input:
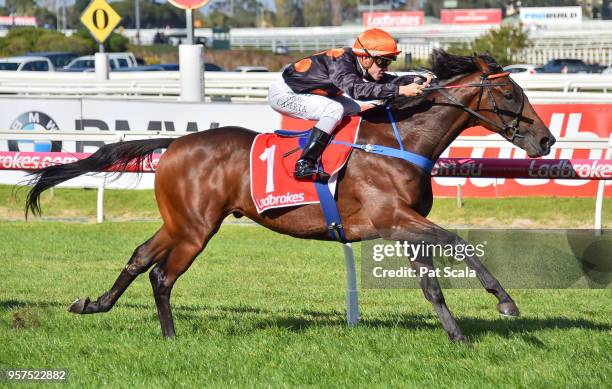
(252, 314)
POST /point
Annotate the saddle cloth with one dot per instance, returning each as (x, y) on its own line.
(273, 159)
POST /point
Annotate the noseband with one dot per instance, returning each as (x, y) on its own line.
(510, 131)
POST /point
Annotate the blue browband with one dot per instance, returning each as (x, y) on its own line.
(415, 159)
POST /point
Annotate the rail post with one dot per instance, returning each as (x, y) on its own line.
(100, 204)
(600, 194)
(352, 293)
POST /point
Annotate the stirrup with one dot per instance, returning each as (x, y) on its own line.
(307, 171)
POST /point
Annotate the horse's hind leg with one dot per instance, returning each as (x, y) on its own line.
(143, 257)
(166, 272)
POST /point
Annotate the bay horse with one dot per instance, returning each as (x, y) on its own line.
(204, 177)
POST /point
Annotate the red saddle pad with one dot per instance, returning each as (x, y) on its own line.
(273, 159)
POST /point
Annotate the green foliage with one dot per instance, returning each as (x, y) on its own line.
(219, 19)
(59, 42)
(26, 39)
(244, 13)
(20, 40)
(318, 13)
(114, 43)
(117, 43)
(21, 7)
(75, 12)
(505, 44)
(289, 13)
(45, 18)
(152, 15)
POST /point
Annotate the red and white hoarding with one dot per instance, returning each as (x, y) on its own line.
(471, 16)
(393, 19)
(18, 21)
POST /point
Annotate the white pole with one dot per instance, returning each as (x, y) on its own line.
(459, 197)
(191, 65)
(101, 64)
(352, 293)
(100, 207)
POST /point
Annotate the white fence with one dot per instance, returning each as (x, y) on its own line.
(241, 87)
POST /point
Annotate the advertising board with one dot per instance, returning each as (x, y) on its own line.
(393, 19)
(471, 16)
(551, 15)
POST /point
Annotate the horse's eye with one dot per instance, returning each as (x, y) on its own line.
(508, 96)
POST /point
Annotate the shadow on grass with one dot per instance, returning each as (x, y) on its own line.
(474, 328)
(256, 318)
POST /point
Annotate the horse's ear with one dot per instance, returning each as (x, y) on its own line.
(481, 64)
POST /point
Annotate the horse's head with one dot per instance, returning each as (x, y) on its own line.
(498, 103)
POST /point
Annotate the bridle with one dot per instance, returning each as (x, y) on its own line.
(511, 130)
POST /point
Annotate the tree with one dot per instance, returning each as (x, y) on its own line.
(21, 7)
(504, 44)
(289, 13)
(336, 8)
(114, 43)
(317, 13)
(152, 15)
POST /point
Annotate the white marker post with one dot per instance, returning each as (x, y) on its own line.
(191, 57)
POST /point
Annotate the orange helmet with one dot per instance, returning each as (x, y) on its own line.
(376, 43)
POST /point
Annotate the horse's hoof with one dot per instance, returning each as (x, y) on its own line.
(508, 309)
(78, 305)
(459, 338)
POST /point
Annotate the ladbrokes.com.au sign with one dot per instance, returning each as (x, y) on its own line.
(393, 19)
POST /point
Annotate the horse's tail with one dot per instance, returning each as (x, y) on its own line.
(121, 155)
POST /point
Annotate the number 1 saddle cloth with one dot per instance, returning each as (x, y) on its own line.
(273, 159)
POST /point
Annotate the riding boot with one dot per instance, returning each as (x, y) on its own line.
(308, 166)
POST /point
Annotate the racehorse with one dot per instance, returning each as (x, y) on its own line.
(204, 177)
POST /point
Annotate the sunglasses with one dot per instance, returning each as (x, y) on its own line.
(383, 62)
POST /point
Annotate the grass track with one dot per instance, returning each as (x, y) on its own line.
(261, 309)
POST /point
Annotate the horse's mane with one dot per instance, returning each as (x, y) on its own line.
(445, 66)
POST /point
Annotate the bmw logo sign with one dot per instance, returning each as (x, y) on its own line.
(35, 121)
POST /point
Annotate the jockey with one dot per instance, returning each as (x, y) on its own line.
(313, 89)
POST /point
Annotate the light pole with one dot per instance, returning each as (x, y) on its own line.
(137, 12)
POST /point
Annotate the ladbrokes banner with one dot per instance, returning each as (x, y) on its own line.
(471, 16)
(393, 19)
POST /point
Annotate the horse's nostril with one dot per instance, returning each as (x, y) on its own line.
(545, 142)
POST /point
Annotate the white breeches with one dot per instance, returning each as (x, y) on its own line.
(327, 110)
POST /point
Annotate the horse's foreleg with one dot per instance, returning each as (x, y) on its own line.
(505, 306)
(433, 294)
(143, 257)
